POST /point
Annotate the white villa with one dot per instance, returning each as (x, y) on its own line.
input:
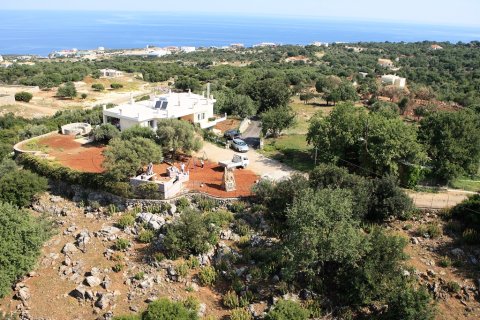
(391, 79)
(111, 73)
(195, 108)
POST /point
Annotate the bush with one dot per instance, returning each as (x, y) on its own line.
(182, 203)
(409, 303)
(116, 85)
(139, 276)
(19, 187)
(166, 309)
(207, 276)
(288, 310)
(468, 212)
(231, 300)
(189, 234)
(127, 220)
(148, 190)
(219, 218)
(445, 262)
(122, 244)
(471, 236)
(452, 287)
(242, 227)
(84, 96)
(68, 90)
(432, 230)
(193, 262)
(241, 314)
(118, 267)
(182, 270)
(23, 96)
(237, 207)
(204, 203)
(22, 237)
(146, 236)
(98, 87)
(104, 133)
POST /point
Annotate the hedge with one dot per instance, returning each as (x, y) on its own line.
(58, 172)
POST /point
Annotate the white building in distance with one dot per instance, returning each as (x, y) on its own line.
(1, 59)
(391, 79)
(320, 44)
(188, 49)
(194, 108)
(110, 73)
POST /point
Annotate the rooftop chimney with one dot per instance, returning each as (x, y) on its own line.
(208, 90)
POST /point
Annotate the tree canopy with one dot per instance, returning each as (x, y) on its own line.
(452, 140)
(177, 135)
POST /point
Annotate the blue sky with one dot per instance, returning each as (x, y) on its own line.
(442, 12)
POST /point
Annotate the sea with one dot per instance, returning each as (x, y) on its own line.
(41, 32)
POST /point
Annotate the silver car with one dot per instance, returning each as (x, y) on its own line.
(239, 145)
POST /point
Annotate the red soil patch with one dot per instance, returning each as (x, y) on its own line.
(227, 124)
(73, 154)
(209, 178)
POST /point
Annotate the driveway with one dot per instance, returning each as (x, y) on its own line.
(252, 134)
(261, 165)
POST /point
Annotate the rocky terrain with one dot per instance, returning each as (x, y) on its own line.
(82, 274)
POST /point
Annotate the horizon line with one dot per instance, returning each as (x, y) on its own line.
(258, 15)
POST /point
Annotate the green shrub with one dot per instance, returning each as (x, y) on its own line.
(98, 87)
(84, 96)
(122, 244)
(193, 262)
(166, 309)
(112, 209)
(191, 303)
(471, 236)
(452, 287)
(116, 85)
(23, 96)
(146, 236)
(237, 206)
(207, 276)
(182, 203)
(204, 203)
(468, 212)
(220, 218)
(189, 234)
(118, 267)
(159, 257)
(231, 300)
(431, 229)
(288, 310)
(148, 191)
(409, 303)
(182, 270)
(241, 227)
(445, 262)
(20, 187)
(127, 220)
(104, 133)
(159, 208)
(241, 314)
(22, 237)
(139, 275)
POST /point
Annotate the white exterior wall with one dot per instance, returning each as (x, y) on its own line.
(125, 124)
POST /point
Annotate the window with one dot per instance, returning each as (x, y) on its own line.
(200, 116)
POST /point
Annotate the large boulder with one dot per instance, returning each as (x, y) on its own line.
(93, 281)
(152, 220)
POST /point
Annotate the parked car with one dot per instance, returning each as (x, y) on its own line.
(239, 145)
(231, 134)
(238, 161)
